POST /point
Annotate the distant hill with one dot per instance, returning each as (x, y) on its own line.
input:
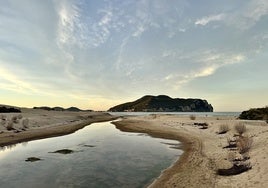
(255, 114)
(6, 109)
(72, 109)
(163, 103)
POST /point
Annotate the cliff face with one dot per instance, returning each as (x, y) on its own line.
(163, 103)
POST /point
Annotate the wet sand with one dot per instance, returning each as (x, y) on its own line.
(203, 150)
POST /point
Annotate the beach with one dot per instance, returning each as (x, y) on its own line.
(204, 151)
(45, 124)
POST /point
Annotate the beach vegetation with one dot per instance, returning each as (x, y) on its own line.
(19, 116)
(3, 122)
(10, 125)
(3, 117)
(255, 114)
(241, 164)
(244, 144)
(240, 128)
(232, 143)
(25, 123)
(15, 119)
(224, 128)
(192, 117)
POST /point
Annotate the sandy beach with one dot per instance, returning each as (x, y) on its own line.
(203, 150)
(44, 124)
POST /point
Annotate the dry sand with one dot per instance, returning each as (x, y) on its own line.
(44, 124)
(204, 152)
(203, 148)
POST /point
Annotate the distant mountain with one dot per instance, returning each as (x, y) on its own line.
(255, 114)
(72, 109)
(163, 103)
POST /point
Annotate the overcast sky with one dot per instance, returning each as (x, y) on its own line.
(98, 53)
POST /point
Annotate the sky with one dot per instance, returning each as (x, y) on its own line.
(94, 54)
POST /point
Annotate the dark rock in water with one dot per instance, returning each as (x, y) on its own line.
(163, 103)
(32, 159)
(89, 146)
(63, 151)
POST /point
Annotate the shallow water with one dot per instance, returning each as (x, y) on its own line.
(103, 157)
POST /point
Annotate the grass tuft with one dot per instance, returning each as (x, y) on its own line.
(224, 128)
(240, 128)
(192, 117)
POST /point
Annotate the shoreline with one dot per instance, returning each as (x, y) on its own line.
(203, 150)
(51, 130)
(188, 163)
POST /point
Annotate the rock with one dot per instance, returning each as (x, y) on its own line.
(163, 103)
(32, 159)
(63, 151)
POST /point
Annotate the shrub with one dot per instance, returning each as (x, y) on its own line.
(14, 119)
(3, 117)
(240, 128)
(244, 144)
(231, 143)
(231, 156)
(223, 129)
(25, 123)
(3, 122)
(20, 116)
(192, 117)
(10, 126)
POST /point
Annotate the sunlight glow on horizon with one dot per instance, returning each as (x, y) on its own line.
(97, 54)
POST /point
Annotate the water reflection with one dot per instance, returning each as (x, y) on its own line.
(103, 157)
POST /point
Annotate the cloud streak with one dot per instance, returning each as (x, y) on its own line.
(212, 18)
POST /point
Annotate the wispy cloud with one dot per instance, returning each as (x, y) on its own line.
(207, 63)
(212, 18)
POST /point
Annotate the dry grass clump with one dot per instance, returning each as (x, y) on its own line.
(19, 116)
(244, 144)
(192, 117)
(3, 117)
(224, 128)
(14, 122)
(15, 119)
(10, 125)
(232, 143)
(240, 160)
(240, 128)
(25, 123)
